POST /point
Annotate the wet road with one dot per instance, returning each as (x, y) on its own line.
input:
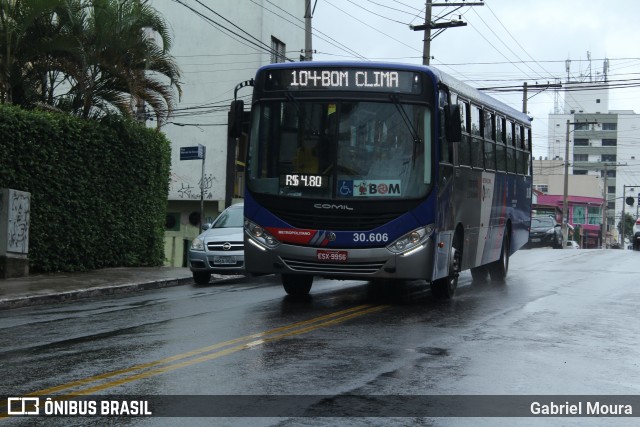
(564, 324)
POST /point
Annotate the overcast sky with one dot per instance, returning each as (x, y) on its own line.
(505, 43)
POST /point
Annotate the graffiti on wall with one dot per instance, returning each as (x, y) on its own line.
(184, 189)
(18, 211)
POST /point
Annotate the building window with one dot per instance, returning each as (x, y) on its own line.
(278, 49)
(579, 214)
(581, 126)
(594, 215)
(541, 187)
(611, 189)
(580, 157)
(609, 142)
(609, 126)
(608, 158)
(579, 172)
(581, 142)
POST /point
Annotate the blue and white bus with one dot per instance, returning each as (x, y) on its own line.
(382, 171)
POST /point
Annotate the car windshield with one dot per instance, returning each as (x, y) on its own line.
(230, 218)
(542, 222)
(347, 149)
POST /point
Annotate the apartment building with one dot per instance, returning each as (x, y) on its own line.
(603, 143)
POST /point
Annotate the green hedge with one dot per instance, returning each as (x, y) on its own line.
(98, 190)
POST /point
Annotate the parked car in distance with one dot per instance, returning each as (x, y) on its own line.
(636, 235)
(572, 244)
(545, 231)
(220, 248)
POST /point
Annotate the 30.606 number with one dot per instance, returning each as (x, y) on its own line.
(370, 237)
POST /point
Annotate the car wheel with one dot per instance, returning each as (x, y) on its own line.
(201, 278)
(296, 285)
(498, 269)
(445, 287)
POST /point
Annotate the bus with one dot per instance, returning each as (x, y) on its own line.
(379, 171)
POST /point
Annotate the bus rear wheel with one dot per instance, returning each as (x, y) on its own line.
(445, 288)
(499, 268)
(295, 285)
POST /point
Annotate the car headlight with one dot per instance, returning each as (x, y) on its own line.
(197, 244)
(551, 231)
(411, 240)
(260, 235)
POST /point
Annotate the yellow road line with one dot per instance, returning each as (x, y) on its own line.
(236, 344)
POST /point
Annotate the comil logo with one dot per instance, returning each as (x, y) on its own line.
(23, 406)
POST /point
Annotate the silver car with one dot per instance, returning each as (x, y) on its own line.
(219, 249)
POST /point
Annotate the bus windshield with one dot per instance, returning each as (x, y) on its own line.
(340, 149)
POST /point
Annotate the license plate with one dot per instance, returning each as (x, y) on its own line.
(535, 240)
(324, 255)
(224, 260)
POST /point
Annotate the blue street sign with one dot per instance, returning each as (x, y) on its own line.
(192, 153)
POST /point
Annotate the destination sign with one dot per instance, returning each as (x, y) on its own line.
(343, 79)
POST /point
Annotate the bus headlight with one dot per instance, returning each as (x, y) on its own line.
(411, 240)
(259, 235)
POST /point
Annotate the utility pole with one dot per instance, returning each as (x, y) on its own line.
(429, 25)
(308, 50)
(426, 43)
(565, 202)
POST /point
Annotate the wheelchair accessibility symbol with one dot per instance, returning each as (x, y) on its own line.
(345, 188)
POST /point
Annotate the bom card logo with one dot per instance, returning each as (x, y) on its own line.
(370, 188)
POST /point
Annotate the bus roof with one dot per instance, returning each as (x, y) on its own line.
(438, 76)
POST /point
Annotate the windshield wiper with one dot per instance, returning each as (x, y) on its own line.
(405, 118)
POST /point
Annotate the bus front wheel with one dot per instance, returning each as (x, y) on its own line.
(296, 285)
(445, 287)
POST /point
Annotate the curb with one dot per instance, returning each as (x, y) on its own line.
(10, 303)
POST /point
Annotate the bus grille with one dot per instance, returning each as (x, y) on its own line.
(335, 221)
(337, 268)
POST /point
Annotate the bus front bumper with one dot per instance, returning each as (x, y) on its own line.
(369, 263)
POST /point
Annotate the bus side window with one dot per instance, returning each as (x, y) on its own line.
(510, 143)
(489, 140)
(464, 150)
(501, 154)
(528, 149)
(476, 137)
(520, 150)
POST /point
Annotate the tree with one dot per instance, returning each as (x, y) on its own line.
(89, 57)
(629, 222)
(25, 33)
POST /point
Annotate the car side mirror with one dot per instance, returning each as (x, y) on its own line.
(205, 227)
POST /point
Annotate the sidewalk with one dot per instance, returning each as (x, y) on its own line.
(48, 288)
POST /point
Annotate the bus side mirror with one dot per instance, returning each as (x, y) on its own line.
(452, 123)
(236, 114)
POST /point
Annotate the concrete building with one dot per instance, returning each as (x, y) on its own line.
(217, 46)
(601, 150)
(584, 201)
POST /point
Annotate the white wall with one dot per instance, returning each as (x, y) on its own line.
(213, 63)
